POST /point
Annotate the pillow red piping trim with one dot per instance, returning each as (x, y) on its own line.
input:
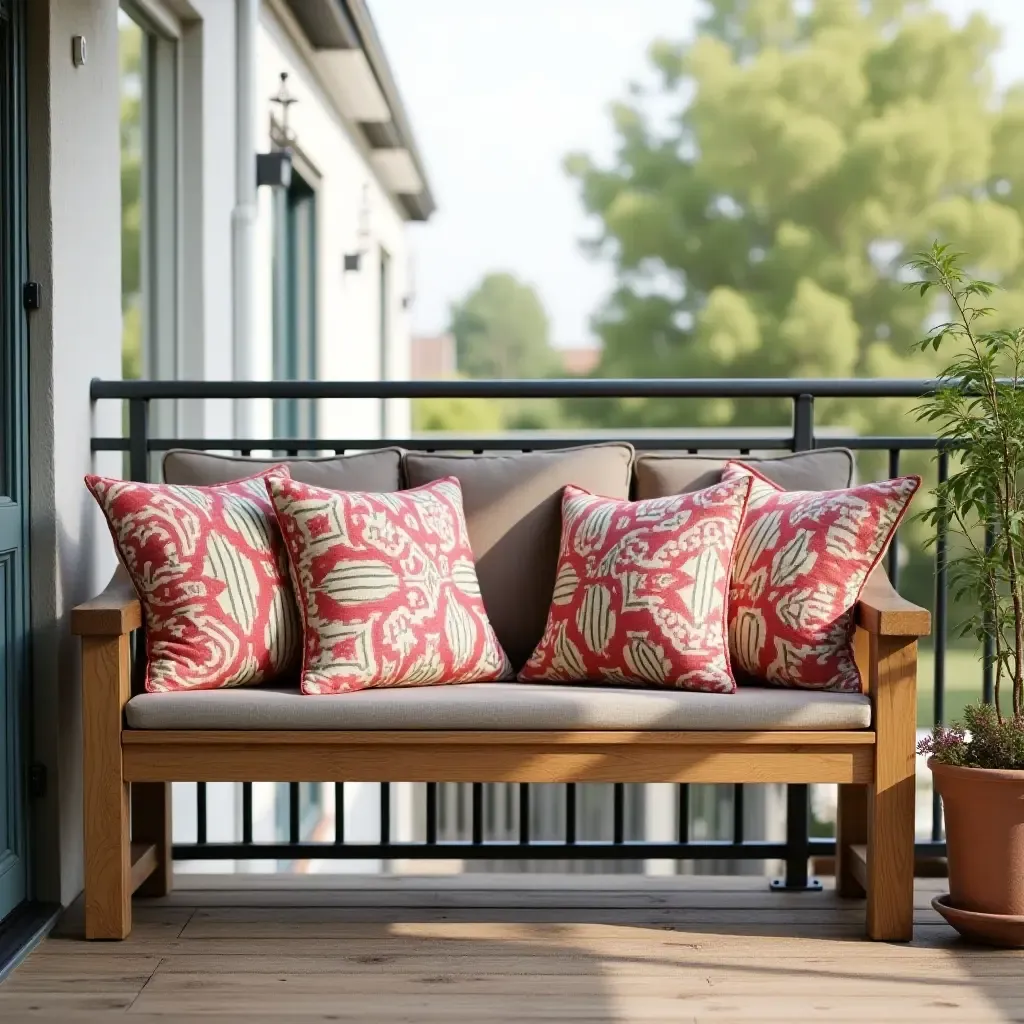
(878, 558)
(280, 469)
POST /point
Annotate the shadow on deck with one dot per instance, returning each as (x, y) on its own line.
(510, 949)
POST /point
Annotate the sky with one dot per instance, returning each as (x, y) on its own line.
(498, 93)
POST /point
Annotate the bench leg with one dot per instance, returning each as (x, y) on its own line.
(851, 830)
(151, 823)
(890, 854)
(108, 895)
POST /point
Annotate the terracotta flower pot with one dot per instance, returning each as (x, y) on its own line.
(984, 812)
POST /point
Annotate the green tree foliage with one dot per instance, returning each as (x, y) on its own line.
(501, 330)
(769, 186)
(766, 191)
(469, 416)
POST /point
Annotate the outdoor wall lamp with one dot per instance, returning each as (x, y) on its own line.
(354, 260)
(275, 168)
(410, 284)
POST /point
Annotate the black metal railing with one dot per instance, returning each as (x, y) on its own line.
(524, 834)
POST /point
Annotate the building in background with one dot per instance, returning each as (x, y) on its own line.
(432, 357)
(580, 360)
(298, 272)
(268, 176)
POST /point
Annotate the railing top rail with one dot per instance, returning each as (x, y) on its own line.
(667, 387)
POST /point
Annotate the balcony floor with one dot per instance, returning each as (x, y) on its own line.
(433, 950)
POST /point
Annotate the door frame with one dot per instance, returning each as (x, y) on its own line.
(14, 407)
(295, 298)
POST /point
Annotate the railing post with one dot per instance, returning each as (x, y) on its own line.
(803, 423)
(138, 439)
(798, 797)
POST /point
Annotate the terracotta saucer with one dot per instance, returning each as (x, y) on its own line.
(989, 929)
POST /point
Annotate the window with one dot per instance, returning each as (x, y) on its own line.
(149, 195)
(295, 303)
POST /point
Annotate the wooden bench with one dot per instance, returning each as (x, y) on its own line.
(128, 771)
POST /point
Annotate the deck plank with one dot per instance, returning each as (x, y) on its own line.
(601, 950)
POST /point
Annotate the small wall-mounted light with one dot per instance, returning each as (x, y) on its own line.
(410, 284)
(354, 260)
(275, 168)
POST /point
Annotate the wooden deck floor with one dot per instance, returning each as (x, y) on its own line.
(504, 950)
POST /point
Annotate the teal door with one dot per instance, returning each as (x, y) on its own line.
(294, 298)
(13, 476)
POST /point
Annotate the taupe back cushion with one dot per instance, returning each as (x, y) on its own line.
(659, 474)
(514, 514)
(379, 470)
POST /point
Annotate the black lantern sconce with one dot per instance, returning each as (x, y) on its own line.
(354, 260)
(275, 168)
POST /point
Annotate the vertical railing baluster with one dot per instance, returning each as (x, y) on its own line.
(200, 812)
(339, 813)
(683, 814)
(294, 812)
(798, 821)
(385, 813)
(570, 813)
(246, 812)
(803, 423)
(477, 822)
(431, 813)
(138, 439)
(738, 827)
(618, 813)
(798, 797)
(524, 814)
(893, 557)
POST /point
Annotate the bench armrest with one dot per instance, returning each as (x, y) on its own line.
(115, 612)
(883, 612)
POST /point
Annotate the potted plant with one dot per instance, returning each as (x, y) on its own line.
(978, 765)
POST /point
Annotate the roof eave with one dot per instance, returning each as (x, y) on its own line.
(347, 25)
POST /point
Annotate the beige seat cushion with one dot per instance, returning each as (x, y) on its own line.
(514, 514)
(662, 473)
(495, 706)
(378, 470)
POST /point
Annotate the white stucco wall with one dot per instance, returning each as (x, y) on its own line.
(207, 97)
(75, 253)
(348, 303)
(74, 234)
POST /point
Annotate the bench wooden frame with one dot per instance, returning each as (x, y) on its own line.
(128, 773)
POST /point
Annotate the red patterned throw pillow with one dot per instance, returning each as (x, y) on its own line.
(802, 559)
(640, 594)
(211, 572)
(387, 587)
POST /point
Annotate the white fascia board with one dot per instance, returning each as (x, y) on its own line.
(355, 85)
(397, 170)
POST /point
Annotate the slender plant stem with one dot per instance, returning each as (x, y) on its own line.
(1005, 502)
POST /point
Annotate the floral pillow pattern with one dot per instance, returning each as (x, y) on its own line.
(802, 559)
(211, 572)
(641, 590)
(387, 587)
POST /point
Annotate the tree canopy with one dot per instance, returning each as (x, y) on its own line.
(501, 330)
(767, 189)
